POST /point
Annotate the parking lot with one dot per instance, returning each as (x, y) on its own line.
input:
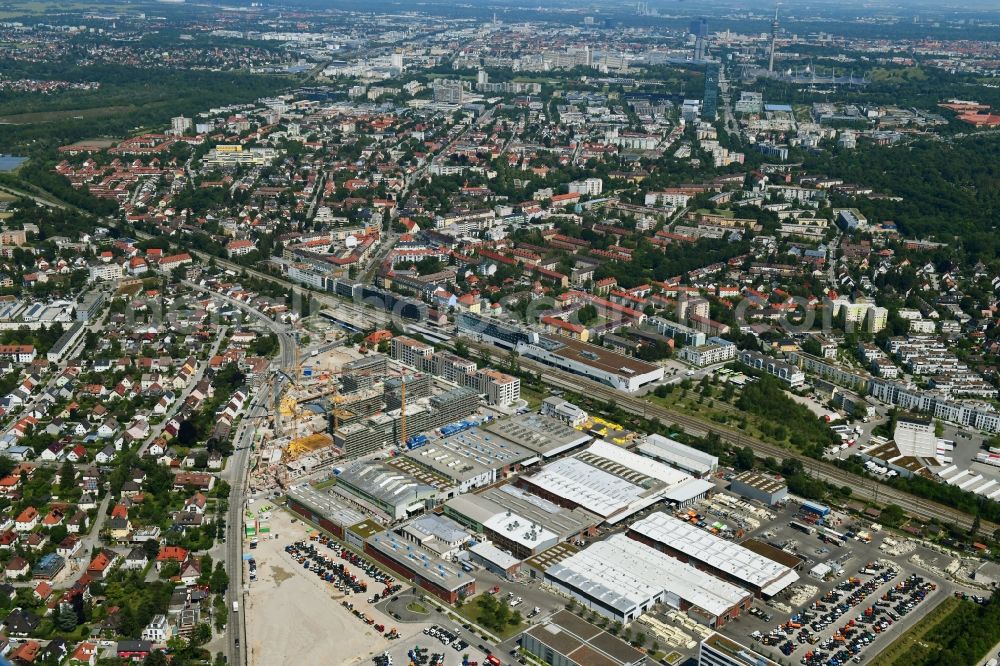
(847, 622)
(866, 600)
(325, 631)
(443, 643)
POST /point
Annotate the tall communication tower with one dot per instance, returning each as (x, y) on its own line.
(774, 38)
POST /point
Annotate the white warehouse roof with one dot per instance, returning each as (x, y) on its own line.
(728, 557)
(520, 530)
(627, 575)
(679, 455)
(608, 480)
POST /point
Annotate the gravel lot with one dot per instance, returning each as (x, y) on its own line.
(295, 618)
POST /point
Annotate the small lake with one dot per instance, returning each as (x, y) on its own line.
(10, 162)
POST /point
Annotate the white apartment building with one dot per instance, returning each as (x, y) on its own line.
(715, 350)
(499, 388)
(409, 351)
(158, 630)
(589, 186)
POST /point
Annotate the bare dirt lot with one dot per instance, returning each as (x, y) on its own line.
(295, 618)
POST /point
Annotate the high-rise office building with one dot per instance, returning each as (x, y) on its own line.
(710, 103)
(699, 28)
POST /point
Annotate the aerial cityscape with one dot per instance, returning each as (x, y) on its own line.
(431, 333)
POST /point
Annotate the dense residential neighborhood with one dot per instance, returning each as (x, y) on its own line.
(622, 333)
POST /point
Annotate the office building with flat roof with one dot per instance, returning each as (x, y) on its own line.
(435, 533)
(566, 639)
(563, 410)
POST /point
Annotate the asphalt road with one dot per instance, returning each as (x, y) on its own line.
(237, 472)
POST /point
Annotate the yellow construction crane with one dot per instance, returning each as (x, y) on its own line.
(289, 405)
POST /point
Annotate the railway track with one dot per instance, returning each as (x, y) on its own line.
(860, 487)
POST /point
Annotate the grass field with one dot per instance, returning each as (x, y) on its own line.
(898, 75)
(51, 116)
(470, 610)
(900, 650)
(533, 398)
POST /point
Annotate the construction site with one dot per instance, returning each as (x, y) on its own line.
(343, 403)
(296, 436)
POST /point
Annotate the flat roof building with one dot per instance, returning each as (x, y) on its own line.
(498, 561)
(544, 435)
(324, 508)
(518, 535)
(420, 566)
(685, 458)
(723, 558)
(470, 459)
(391, 491)
(566, 639)
(438, 534)
(563, 410)
(760, 487)
(490, 511)
(622, 578)
(613, 483)
(602, 365)
(786, 372)
(717, 650)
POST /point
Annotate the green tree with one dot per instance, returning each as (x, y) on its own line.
(187, 433)
(587, 314)
(67, 476)
(66, 620)
(892, 515)
(156, 658)
(744, 459)
(202, 634)
(151, 548)
(219, 582)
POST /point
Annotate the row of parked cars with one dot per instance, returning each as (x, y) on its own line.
(847, 642)
(336, 573)
(447, 637)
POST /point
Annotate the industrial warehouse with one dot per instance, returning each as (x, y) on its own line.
(544, 435)
(613, 483)
(501, 505)
(725, 559)
(622, 578)
(469, 459)
(420, 566)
